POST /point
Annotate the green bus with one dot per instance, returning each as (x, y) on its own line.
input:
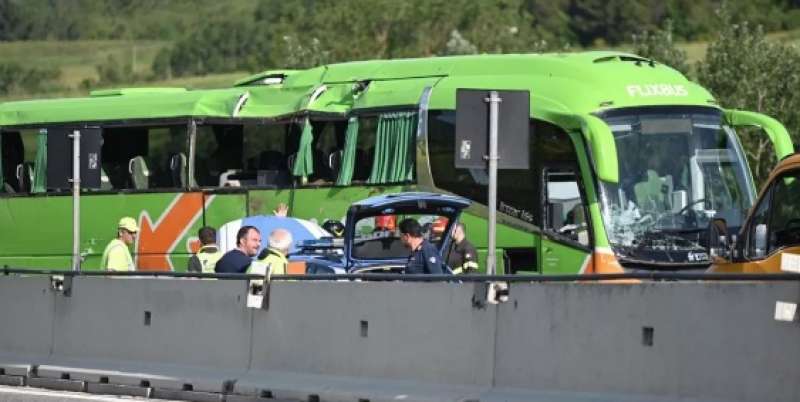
(629, 161)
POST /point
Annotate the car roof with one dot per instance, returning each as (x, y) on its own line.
(382, 201)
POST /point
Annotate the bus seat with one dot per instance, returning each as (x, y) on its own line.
(272, 160)
(652, 194)
(25, 176)
(290, 161)
(105, 182)
(363, 166)
(335, 162)
(140, 175)
(177, 169)
(237, 178)
(273, 178)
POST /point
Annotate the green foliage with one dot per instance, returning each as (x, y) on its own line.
(746, 71)
(596, 22)
(113, 71)
(17, 79)
(110, 19)
(660, 46)
(457, 44)
(222, 46)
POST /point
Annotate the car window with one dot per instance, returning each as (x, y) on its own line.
(379, 237)
(757, 231)
(785, 228)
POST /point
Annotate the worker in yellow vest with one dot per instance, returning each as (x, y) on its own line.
(274, 255)
(206, 258)
(116, 256)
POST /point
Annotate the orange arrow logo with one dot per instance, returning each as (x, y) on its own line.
(156, 241)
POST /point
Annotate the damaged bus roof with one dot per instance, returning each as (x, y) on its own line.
(604, 80)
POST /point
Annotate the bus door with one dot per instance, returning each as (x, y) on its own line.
(566, 236)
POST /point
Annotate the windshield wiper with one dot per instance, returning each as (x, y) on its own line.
(676, 230)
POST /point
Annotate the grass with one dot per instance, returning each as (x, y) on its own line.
(77, 61)
(696, 51)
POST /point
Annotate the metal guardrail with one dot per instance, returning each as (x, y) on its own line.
(647, 276)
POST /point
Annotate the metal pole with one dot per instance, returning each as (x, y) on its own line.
(494, 112)
(76, 200)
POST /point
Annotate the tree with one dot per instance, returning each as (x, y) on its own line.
(660, 46)
(746, 71)
(596, 22)
(458, 45)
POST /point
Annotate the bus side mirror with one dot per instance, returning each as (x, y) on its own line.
(719, 240)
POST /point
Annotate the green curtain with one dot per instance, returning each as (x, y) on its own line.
(394, 148)
(40, 168)
(2, 172)
(349, 156)
(304, 162)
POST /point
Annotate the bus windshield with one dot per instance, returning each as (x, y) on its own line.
(678, 169)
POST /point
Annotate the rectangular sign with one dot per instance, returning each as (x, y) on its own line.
(472, 129)
(59, 157)
(785, 311)
(790, 262)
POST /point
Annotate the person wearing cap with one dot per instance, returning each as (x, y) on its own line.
(424, 257)
(116, 256)
(334, 227)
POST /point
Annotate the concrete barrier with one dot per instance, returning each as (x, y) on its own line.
(166, 333)
(704, 340)
(418, 332)
(389, 341)
(26, 319)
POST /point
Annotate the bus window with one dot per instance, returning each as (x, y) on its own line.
(245, 155)
(21, 152)
(385, 148)
(394, 158)
(142, 158)
(328, 149)
(365, 149)
(517, 190)
(13, 155)
(565, 214)
(218, 149)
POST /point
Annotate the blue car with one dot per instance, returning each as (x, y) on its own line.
(371, 241)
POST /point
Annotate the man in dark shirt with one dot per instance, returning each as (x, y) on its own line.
(248, 241)
(463, 258)
(424, 257)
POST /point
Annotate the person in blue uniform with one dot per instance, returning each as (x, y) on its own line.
(248, 241)
(425, 258)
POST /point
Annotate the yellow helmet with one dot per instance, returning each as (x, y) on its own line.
(128, 224)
